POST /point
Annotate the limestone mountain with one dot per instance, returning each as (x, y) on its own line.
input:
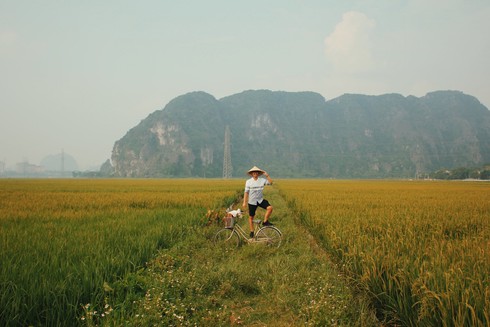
(301, 135)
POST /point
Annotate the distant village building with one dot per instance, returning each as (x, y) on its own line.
(27, 168)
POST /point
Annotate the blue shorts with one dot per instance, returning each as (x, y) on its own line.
(253, 207)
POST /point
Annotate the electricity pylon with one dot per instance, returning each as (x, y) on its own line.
(227, 167)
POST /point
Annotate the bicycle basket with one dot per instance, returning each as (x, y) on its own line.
(229, 222)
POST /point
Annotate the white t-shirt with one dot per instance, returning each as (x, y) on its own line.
(255, 189)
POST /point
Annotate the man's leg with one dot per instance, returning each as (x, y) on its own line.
(251, 223)
(268, 213)
(251, 212)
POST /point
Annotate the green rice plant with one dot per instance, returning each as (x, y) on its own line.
(63, 240)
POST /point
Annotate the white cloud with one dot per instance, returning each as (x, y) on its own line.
(348, 47)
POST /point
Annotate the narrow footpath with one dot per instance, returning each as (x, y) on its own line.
(192, 284)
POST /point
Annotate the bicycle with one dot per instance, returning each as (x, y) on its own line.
(233, 234)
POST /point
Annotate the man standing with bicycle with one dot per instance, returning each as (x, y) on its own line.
(254, 196)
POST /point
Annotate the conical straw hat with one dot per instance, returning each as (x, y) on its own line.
(255, 168)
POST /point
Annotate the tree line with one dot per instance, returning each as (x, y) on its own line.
(482, 173)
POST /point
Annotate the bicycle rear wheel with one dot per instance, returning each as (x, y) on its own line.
(270, 236)
(227, 238)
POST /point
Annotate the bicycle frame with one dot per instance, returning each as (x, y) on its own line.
(243, 234)
(268, 235)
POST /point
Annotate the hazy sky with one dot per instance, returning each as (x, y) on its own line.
(77, 75)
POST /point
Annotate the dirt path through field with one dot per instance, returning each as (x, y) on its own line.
(194, 283)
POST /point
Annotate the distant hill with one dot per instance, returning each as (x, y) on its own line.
(301, 135)
(59, 162)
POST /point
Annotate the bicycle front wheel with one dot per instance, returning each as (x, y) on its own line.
(270, 236)
(227, 238)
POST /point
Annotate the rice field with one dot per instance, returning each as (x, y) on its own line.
(72, 250)
(421, 250)
(61, 241)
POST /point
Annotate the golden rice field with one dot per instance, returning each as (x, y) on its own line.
(62, 240)
(420, 249)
